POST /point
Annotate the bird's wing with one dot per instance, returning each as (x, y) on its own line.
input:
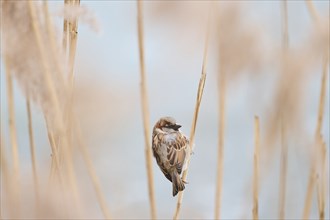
(176, 151)
(155, 143)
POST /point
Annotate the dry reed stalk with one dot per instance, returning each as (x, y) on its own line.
(255, 211)
(145, 111)
(221, 127)
(13, 138)
(73, 27)
(12, 120)
(91, 171)
(53, 44)
(312, 10)
(321, 181)
(284, 150)
(323, 187)
(196, 111)
(283, 171)
(55, 164)
(32, 152)
(312, 174)
(65, 30)
(58, 118)
(6, 180)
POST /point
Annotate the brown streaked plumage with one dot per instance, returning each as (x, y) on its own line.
(171, 149)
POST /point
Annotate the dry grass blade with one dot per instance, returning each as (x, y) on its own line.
(321, 181)
(318, 139)
(312, 10)
(12, 120)
(221, 125)
(65, 30)
(73, 31)
(32, 152)
(6, 180)
(255, 212)
(283, 172)
(195, 117)
(145, 111)
(13, 137)
(58, 117)
(92, 174)
(53, 44)
(312, 175)
(283, 163)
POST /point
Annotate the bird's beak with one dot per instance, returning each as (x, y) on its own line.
(176, 127)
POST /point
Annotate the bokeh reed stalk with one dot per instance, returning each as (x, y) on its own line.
(67, 157)
(91, 171)
(65, 136)
(283, 171)
(196, 110)
(255, 209)
(145, 111)
(5, 176)
(73, 30)
(322, 181)
(12, 120)
(32, 151)
(13, 138)
(70, 31)
(283, 157)
(313, 182)
(65, 30)
(221, 85)
(317, 146)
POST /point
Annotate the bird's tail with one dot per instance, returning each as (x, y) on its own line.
(177, 183)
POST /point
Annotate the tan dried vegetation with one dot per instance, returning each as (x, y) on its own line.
(42, 65)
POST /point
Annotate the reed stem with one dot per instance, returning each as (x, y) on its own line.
(145, 110)
(255, 210)
(195, 117)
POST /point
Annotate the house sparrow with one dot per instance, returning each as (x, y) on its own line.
(171, 149)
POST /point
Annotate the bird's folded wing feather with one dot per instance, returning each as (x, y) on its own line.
(176, 152)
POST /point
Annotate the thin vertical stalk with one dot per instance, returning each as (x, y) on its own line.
(12, 120)
(197, 106)
(312, 175)
(285, 30)
(92, 173)
(13, 137)
(319, 123)
(73, 31)
(221, 125)
(65, 30)
(283, 162)
(55, 103)
(255, 211)
(312, 10)
(283, 171)
(321, 180)
(6, 181)
(145, 110)
(32, 152)
(53, 44)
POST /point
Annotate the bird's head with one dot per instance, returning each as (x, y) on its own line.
(167, 124)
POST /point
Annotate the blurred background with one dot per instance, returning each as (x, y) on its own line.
(107, 104)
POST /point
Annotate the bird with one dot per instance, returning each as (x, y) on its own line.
(171, 149)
